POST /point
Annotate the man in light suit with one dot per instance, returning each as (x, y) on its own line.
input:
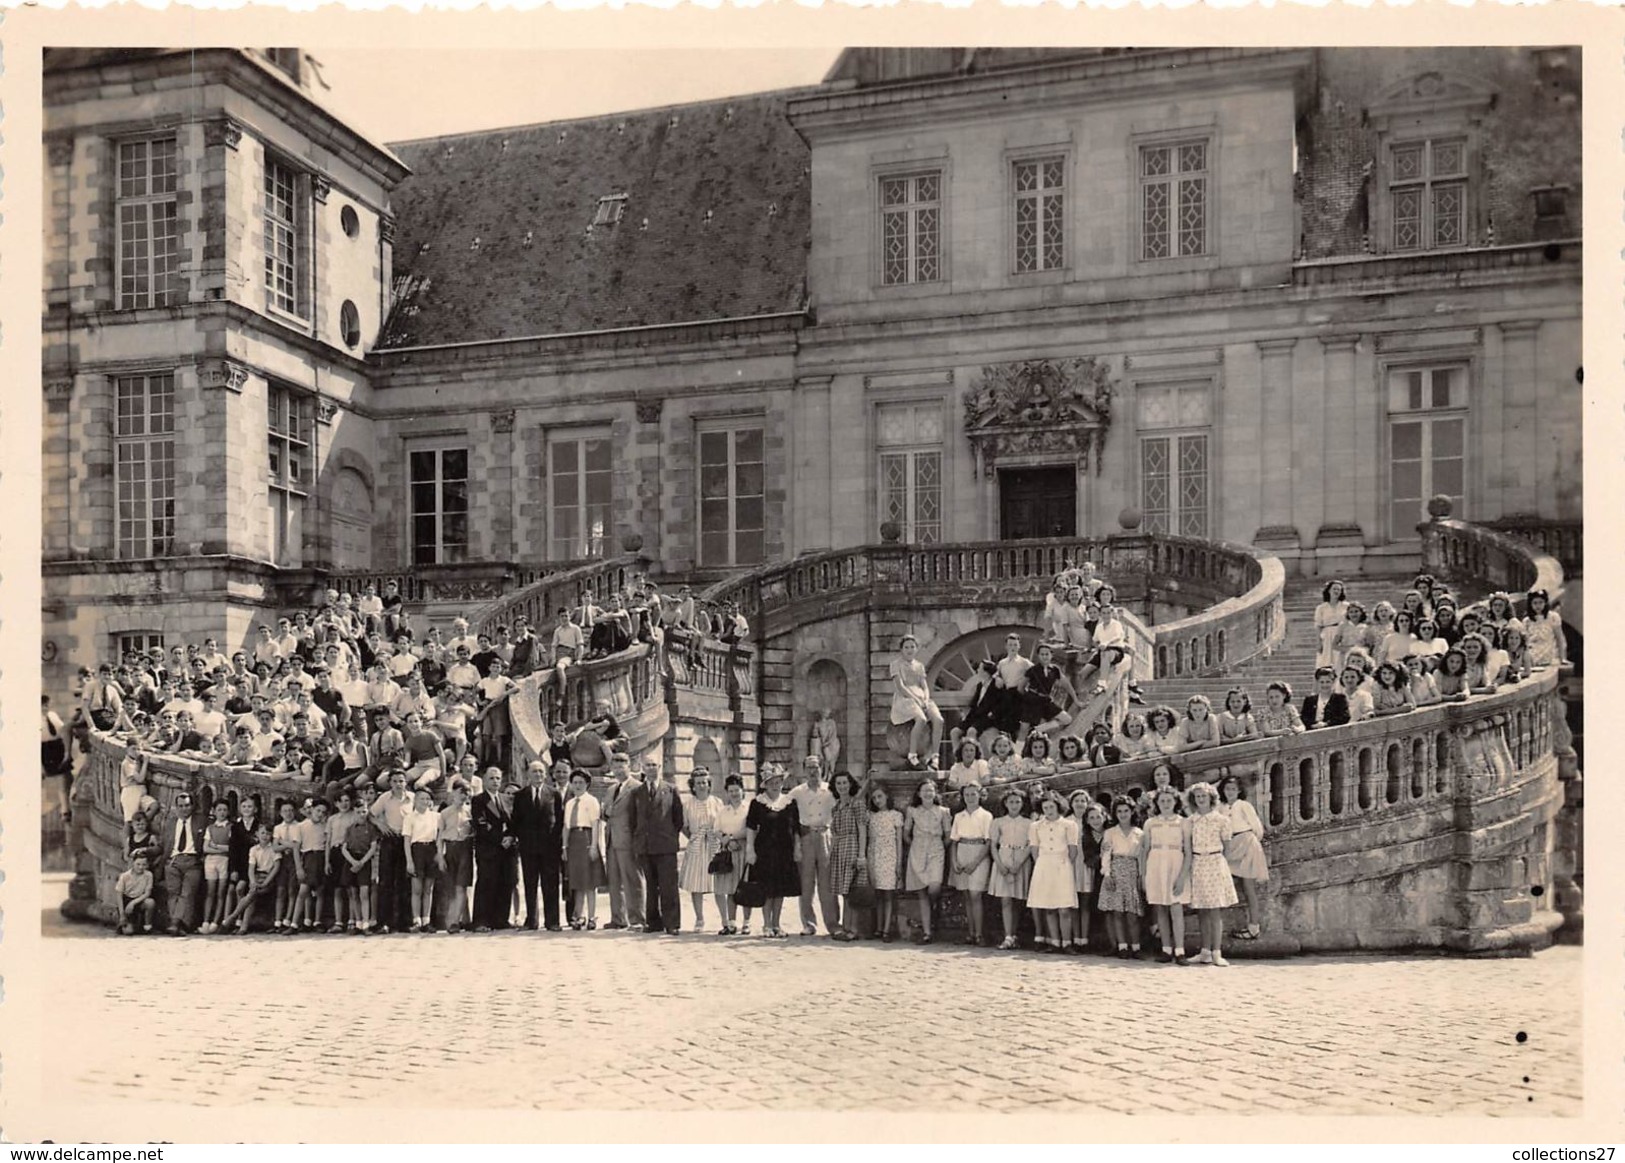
(625, 879)
(657, 822)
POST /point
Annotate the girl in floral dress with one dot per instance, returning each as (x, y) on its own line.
(1167, 873)
(1544, 630)
(1392, 695)
(1279, 716)
(1211, 888)
(1162, 732)
(704, 841)
(1004, 765)
(848, 846)
(1236, 722)
(1052, 892)
(885, 859)
(926, 829)
(1378, 629)
(1244, 850)
(1008, 877)
(1122, 872)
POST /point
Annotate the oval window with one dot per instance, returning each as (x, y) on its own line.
(350, 220)
(350, 323)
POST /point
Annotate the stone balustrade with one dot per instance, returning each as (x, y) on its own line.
(1432, 828)
(1564, 540)
(1490, 559)
(539, 600)
(1245, 586)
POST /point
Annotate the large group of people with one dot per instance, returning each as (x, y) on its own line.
(399, 814)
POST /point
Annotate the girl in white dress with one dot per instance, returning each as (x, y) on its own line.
(1328, 618)
(971, 854)
(1167, 865)
(1244, 851)
(969, 766)
(1211, 887)
(925, 828)
(1052, 893)
(700, 825)
(1011, 861)
(911, 703)
(1401, 641)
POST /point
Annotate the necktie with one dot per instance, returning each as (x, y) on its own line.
(575, 814)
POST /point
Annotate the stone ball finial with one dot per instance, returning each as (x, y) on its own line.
(1440, 506)
(1130, 519)
(631, 542)
(891, 532)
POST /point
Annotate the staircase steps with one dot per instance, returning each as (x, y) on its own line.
(1293, 659)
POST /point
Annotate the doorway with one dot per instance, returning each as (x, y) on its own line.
(1038, 502)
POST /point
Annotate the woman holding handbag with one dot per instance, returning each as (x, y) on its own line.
(729, 861)
(849, 845)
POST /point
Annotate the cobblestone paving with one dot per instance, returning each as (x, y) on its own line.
(625, 1021)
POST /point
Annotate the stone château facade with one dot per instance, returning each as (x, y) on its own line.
(1278, 296)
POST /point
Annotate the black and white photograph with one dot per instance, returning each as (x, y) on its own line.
(851, 580)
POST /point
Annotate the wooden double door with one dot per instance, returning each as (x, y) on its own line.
(1038, 502)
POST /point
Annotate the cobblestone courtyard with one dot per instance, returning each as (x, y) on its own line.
(803, 1024)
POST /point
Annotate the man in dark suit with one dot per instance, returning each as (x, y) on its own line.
(538, 825)
(1328, 706)
(183, 864)
(657, 821)
(495, 873)
(527, 650)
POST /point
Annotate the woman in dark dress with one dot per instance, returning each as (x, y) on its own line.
(773, 846)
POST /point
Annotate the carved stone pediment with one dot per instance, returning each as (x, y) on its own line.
(1040, 408)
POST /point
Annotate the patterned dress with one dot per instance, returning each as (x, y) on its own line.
(885, 846)
(845, 842)
(704, 840)
(1541, 634)
(927, 846)
(1120, 883)
(1211, 886)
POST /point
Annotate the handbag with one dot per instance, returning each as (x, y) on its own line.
(862, 893)
(722, 862)
(750, 893)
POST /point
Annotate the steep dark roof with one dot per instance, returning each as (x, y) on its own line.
(738, 158)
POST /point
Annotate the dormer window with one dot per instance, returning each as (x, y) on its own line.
(610, 209)
(1427, 184)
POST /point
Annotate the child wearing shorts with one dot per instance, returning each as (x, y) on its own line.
(358, 863)
(421, 835)
(135, 896)
(338, 823)
(264, 864)
(216, 866)
(312, 867)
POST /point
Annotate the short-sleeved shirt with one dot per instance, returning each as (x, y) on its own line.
(312, 836)
(583, 811)
(814, 807)
(968, 825)
(392, 812)
(133, 885)
(568, 637)
(422, 827)
(456, 823)
(360, 835)
(263, 858)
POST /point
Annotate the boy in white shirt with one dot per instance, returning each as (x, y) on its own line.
(311, 869)
(420, 834)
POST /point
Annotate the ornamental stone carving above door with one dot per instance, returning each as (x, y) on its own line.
(1035, 410)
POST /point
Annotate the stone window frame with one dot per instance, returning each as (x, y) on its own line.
(148, 546)
(1452, 107)
(1169, 378)
(286, 491)
(302, 228)
(911, 163)
(439, 445)
(912, 398)
(123, 643)
(1206, 132)
(1064, 151)
(706, 426)
(578, 434)
(1468, 361)
(148, 199)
